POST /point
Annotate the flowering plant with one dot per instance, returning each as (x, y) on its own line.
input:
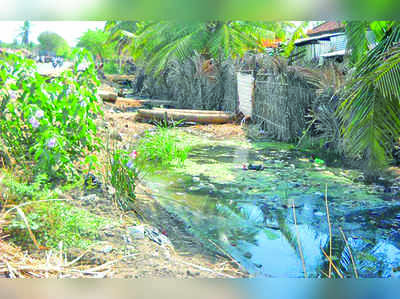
(122, 175)
(49, 121)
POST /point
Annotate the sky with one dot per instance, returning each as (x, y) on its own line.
(69, 30)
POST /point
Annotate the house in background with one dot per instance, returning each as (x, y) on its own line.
(326, 41)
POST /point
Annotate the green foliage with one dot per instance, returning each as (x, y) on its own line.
(163, 148)
(55, 222)
(157, 43)
(95, 41)
(370, 119)
(16, 191)
(54, 44)
(122, 173)
(358, 42)
(110, 67)
(50, 123)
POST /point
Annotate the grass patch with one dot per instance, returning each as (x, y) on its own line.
(50, 221)
(163, 148)
(55, 222)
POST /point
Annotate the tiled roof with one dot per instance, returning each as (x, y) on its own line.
(327, 27)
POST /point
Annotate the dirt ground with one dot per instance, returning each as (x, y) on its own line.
(144, 258)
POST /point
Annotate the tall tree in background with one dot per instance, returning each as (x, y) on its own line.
(121, 34)
(53, 44)
(95, 41)
(25, 31)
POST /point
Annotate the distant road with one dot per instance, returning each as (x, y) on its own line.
(47, 68)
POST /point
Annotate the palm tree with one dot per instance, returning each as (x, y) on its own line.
(160, 42)
(24, 33)
(122, 34)
(370, 112)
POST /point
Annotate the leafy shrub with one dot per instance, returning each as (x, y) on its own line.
(16, 191)
(53, 222)
(111, 68)
(48, 121)
(163, 148)
(122, 174)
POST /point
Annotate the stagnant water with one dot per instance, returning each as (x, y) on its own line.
(249, 213)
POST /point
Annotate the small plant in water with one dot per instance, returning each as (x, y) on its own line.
(162, 148)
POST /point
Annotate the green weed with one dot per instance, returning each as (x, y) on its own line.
(162, 148)
(121, 174)
(55, 222)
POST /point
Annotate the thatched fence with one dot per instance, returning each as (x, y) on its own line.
(280, 107)
(197, 84)
(282, 95)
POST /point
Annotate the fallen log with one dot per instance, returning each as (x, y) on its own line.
(128, 102)
(117, 78)
(107, 95)
(161, 114)
(157, 102)
(192, 111)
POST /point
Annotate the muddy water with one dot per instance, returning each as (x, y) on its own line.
(249, 214)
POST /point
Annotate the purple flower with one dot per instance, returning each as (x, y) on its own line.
(52, 142)
(34, 122)
(130, 164)
(13, 95)
(39, 114)
(133, 154)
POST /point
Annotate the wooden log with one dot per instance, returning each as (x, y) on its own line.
(157, 102)
(211, 118)
(107, 95)
(117, 78)
(192, 111)
(128, 102)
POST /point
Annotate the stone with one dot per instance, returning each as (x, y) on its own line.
(89, 199)
(248, 255)
(106, 249)
(320, 214)
(110, 190)
(116, 135)
(136, 232)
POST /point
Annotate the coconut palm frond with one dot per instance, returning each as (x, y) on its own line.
(370, 111)
(298, 33)
(387, 75)
(357, 43)
(162, 42)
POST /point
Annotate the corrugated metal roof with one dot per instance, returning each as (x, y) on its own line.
(335, 53)
(315, 39)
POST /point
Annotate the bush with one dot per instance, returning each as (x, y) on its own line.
(49, 122)
(163, 148)
(55, 222)
(111, 68)
(122, 173)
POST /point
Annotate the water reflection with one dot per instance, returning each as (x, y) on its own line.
(251, 217)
